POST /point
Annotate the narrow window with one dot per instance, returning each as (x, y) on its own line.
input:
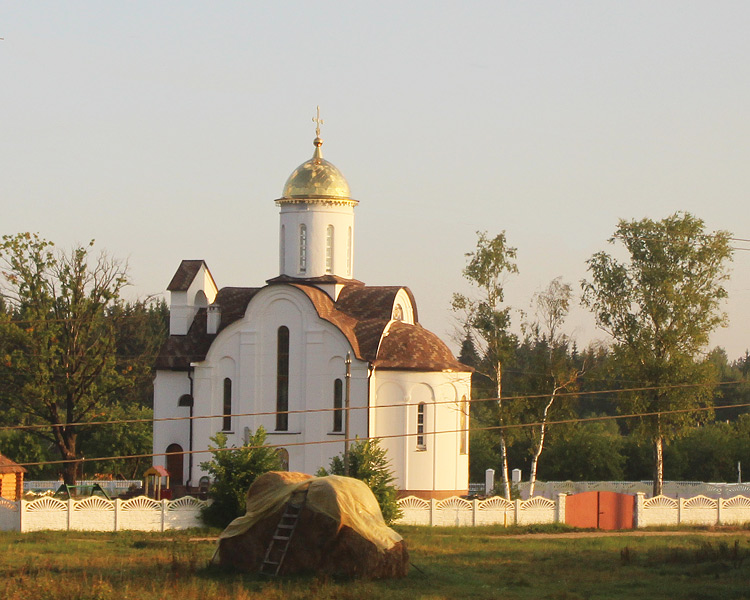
(283, 458)
(338, 412)
(302, 249)
(329, 249)
(282, 379)
(420, 426)
(227, 424)
(349, 253)
(282, 250)
(464, 426)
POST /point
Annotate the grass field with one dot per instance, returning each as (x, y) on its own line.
(486, 562)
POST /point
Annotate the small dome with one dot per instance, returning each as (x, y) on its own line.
(316, 178)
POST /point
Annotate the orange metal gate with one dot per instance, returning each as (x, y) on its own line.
(600, 510)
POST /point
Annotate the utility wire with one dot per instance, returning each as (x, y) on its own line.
(391, 436)
(398, 405)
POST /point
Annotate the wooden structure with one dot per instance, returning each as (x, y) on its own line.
(154, 484)
(600, 510)
(11, 479)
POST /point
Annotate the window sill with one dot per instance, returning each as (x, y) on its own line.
(335, 433)
(283, 432)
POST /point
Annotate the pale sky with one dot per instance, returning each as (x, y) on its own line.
(165, 130)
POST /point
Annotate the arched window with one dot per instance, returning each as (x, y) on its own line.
(338, 404)
(282, 379)
(175, 458)
(227, 423)
(349, 252)
(464, 426)
(329, 249)
(421, 418)
(282, 249)
(302, 249)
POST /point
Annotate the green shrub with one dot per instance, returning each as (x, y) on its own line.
(369, 463)
(232, 471)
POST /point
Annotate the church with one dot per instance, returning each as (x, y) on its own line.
(292, 354)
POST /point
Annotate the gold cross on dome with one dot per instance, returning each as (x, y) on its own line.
(318, 122)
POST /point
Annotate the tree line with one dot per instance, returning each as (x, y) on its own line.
(657, 306)
(72, 351)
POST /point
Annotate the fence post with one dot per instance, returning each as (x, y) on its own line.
(118, 504)
(21, 513)
(164, 514)
(680, 503)
(560, 516)
(720, 511)
(70, 513)
(640, 498)
(433, 504)
(474, 509)
(489, 482)
(517, 510)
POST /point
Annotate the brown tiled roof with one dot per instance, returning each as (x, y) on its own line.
(185, 274)
(371, 302)
(361, 314)
(8, 466)
(412, 347)
(233, 302)
(180, 350)
(314, 280)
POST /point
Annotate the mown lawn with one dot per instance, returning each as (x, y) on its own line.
(482, 562)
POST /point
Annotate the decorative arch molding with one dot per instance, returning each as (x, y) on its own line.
(93, 503)
(412, 502)
(700, 502)
(46, 504)
(405, 302)
(660, 502)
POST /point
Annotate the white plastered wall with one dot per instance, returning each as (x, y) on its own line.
(316, 359)
(184, 304)
(169, 386)
(317, 217)
(395, 395)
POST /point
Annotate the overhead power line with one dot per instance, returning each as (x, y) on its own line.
(397, 405)
(340, 440)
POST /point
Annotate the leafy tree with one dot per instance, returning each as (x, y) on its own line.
(233, 471)
(550, 371)
(368, 461)
(589, 451)
(660, 306)
(58, 342)
(486, 322)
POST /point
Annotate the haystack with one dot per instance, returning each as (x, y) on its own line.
(340, 530)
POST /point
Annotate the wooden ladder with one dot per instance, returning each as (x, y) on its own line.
(277, 548)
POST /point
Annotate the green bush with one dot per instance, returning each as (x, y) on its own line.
(232, 471)
(369, 463)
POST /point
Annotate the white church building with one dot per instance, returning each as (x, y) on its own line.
(238, 358)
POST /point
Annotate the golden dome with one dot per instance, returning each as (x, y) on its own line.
(316, 179)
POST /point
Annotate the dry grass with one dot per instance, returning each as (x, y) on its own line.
(455, 563)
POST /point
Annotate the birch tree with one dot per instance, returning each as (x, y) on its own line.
(553, 373)
(486, 321)
(660, 305)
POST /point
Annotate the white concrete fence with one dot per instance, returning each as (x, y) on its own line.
(457, 511)
(97, 514)
(658, 511)
(673, 489)
(144, 514)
